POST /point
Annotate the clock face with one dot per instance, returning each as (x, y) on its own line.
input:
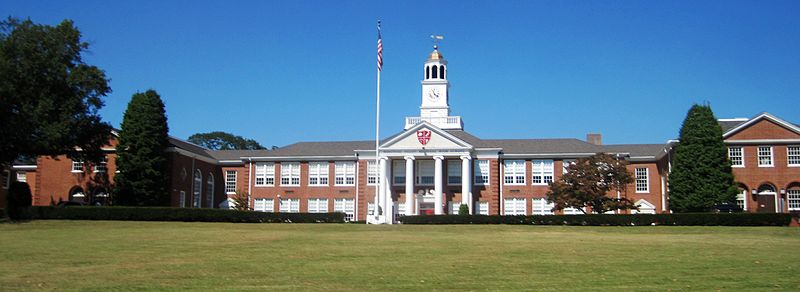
(434, 94)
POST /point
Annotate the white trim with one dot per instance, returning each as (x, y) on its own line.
(435, 129)
(763, 141)
(646, 178)
(788, 163)
(24, 167)
(761, 116)
(771, 156)
(301, 158)
(741, 156)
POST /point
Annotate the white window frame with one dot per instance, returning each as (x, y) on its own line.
(571, 211)
(793, 199)
(77, 166)
(420, 178)
(197, 189)
(265, 174)
(540, 206)
(399, 172)
(372, 173)
(515, 206)
(566, 163)
(761, 151)
(318, 173)
(514, 172)
(346, 206)
(22, 176)
(793, 153)
(290, 174)
(317, 205)
(642, 180)
(737, 159)
(741, 197)
(182, 199)
(289, 206)
(230, 182)
(101, 166)
(483, 208)
(345, 174)
(454, 172)
(542, 171)
(264, 205)
(480, 173)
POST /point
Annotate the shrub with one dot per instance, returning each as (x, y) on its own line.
(685, 219)
(180, 214)
(463, 209)
(19, 200)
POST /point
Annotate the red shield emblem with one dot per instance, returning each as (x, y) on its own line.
(423, 136)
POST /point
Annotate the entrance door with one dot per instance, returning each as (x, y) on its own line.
(766, 203)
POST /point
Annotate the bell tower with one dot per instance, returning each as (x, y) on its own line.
(435, 98)
(435, 106)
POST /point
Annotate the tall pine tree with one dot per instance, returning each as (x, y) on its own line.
(701, 173)
(143, 178)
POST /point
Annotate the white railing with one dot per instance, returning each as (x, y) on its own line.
(450, 122)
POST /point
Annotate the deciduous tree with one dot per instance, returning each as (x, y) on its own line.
(701, 172)
(588, 182)
(49, 97)
(224, 141)
(141, 158)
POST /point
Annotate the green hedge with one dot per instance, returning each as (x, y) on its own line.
(683, 219)
(179, 214)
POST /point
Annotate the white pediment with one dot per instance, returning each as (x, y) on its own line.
(438, 139)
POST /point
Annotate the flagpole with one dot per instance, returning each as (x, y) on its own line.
(378, 175)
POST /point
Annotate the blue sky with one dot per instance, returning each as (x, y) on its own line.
(287, 71)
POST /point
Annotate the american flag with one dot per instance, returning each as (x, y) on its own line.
(380, 48)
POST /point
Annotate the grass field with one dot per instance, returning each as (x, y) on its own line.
(103, 255)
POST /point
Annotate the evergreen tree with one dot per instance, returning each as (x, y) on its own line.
(143, 178)
(701, 173)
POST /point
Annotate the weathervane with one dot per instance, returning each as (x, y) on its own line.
(436, 39)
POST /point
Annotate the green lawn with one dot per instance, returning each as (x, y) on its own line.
(103, 255)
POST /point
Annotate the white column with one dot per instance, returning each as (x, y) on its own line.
(409, 185)
(389, 201)
(382, 174)
(437, 186)
(466, 182)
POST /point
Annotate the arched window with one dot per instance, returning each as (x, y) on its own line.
(198, 188)
(427, 72)
(100, 196)
(210, 190)
(766, 189)
(441, 71)
(76, 194)
(435, 70)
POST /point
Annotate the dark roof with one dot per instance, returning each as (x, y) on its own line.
(542, 146)
(193, 148)
(655, 150)
(341, 148)
(727, 125)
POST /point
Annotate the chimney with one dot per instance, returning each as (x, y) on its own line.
(594, 138)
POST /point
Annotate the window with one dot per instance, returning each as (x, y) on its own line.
(399, 172)
(481, 172)
(793, 155)
(318, 173)
(198, 189)
(454, 173)
(515, 206)
(764, 156)
(740, 197)
(371, 209)
(265, 174)
(399, 210)
(102, 166)
(264, 205)
(565, 165)
(642, 181)
(736, 155)
(454, 206)
(210, 190)
(514, 172)
(425, 172)
(290, 206)
(182, 200)
(540, 206)
(542, 172)
(6, 179)
(22, 176)
(230, 181)
(346, 206)
(77, 166)
(290, 173)
(483, 208)
(317, 205)
(372, 172)
(572, 211)
(794, 199)
(345, 173)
